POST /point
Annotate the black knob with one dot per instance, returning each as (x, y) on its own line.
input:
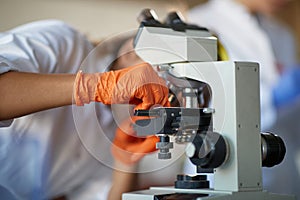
(272, 149)
(210, 150)
(191, 182)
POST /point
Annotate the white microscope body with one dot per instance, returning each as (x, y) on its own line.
(191, 54)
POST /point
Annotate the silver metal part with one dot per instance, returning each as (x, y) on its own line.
(190, 150)
(184, 138)
(164, 155)
(163, 67)
(164, 148)
(208, 110)
(164, 145)
(264, 148)
(190, 98)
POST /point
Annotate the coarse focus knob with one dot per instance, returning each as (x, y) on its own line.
(272, 149)
(208, 150)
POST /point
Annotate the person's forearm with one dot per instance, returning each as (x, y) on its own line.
(124, 180)
(24, 93)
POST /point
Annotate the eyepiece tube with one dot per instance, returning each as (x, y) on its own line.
(174, 18)
(147, 15)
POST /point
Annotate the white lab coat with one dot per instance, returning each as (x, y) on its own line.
(47, 154)
(244, 40)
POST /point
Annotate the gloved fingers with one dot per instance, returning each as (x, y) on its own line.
(128, 148)
(140, 84)
(130, 154)
(148, 145)
(125, 157)
(152, 95)
(129, 80)
(167, 104)
(126, 135)
(125, 129)
(132, 143)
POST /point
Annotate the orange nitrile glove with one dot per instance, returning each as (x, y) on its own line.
(138, 84)
(129, 149)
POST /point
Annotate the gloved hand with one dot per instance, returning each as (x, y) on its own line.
(138, 84)
(129, 149)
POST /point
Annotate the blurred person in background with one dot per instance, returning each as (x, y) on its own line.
(249, 32)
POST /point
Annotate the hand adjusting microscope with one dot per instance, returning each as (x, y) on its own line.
(222, 138)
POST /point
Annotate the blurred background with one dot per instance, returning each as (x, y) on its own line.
(101, 18)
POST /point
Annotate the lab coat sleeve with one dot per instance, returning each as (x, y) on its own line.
(48, 46)
(6, 123)
(6, 65)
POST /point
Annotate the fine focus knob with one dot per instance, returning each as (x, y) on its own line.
(164, 145)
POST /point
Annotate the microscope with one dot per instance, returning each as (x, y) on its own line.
(223, 136)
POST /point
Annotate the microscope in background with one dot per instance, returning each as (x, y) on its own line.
(223, 137)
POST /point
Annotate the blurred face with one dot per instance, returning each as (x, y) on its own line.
(127, 56)
(267, 7)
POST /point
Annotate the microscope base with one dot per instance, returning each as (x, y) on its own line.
(169, 193)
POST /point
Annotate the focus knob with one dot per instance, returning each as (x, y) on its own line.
(272, 149)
